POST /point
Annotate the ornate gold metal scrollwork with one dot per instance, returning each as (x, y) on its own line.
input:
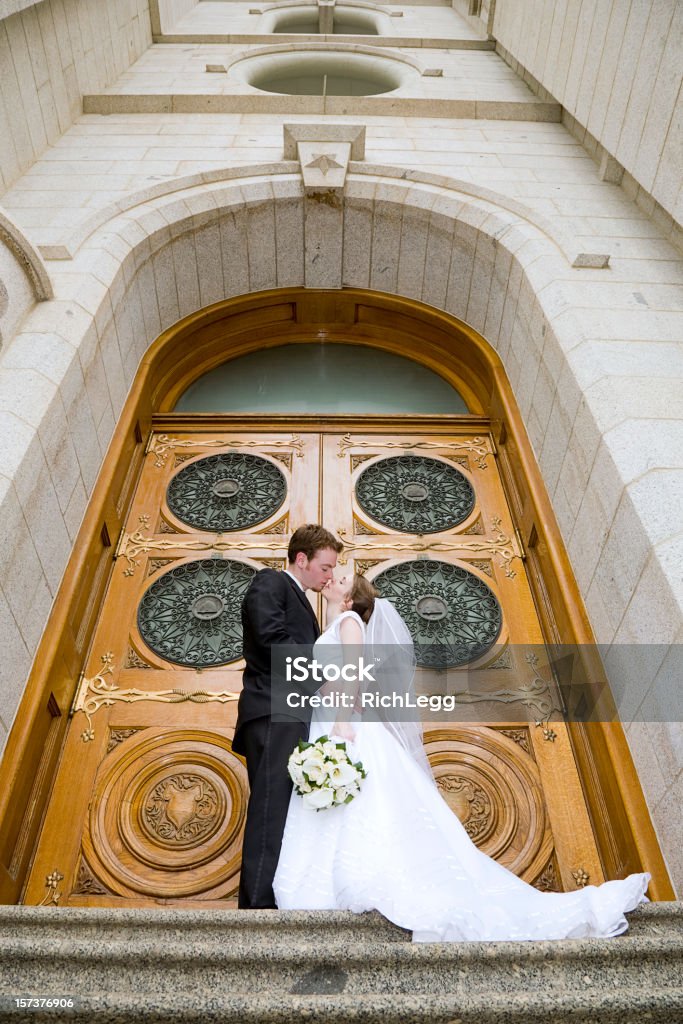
(535, 695)
(95, 693)
(161, 445)
(479, 447)
(98, 684)
(132, 545)
(52, 885)
(503, 547)
(544, 721)
(581, 877)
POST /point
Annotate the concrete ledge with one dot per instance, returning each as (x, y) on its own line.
(284, 37)
(272, 103)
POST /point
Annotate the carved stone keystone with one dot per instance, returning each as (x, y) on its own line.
(326, 17)
(324, 151)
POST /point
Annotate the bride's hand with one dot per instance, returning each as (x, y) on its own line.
(344, 730)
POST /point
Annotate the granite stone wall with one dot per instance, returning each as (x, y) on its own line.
(51, 54)
(616, 69)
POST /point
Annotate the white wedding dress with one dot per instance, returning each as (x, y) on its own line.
(399, 849)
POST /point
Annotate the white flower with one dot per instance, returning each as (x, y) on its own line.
(323, 774)
(315, 772)
(319, 799)
(342, 774)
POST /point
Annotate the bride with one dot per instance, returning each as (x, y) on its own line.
(397, 847)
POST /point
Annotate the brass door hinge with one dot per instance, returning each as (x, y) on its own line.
(121, 543)
(520, 544)
(81, 687)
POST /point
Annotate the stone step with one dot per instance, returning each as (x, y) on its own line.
(632, 1005)
(655, 919)
(249, 966)
(432, 967)
(279, 929)
(277, 926)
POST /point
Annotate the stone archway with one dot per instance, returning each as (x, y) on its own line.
(208, 336)
(172, 253)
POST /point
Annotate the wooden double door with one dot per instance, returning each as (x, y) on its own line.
(149, 802)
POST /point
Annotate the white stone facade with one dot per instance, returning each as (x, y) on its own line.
(486, 208)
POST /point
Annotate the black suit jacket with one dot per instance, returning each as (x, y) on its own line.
(275, 610)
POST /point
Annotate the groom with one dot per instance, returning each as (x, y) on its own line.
(275, 610)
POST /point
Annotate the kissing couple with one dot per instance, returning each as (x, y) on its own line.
(396, 847)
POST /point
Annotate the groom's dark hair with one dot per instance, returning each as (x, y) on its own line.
(311, 538)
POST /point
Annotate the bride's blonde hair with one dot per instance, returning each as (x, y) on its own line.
(362, 596)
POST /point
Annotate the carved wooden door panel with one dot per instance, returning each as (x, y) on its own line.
(149, 803)
(425, 517)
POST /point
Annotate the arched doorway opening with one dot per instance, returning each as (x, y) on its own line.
(148, 802)
(319, 377)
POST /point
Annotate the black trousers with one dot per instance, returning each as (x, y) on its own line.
(267, 747)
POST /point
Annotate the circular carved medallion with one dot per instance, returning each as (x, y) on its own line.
(453, 616)
(181, 810)
(415, 494)
(167, 815)
(228, 491)
(495, 789)
(191, 614)
(469, 801)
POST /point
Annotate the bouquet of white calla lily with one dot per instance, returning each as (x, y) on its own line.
(314, 772)
(342, 774)
(319, 799)
(323, 773)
